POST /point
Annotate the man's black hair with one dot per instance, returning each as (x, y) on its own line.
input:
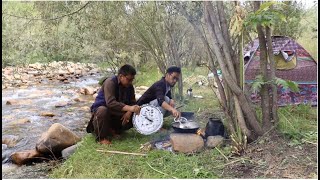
(127, 70)
(173, 69)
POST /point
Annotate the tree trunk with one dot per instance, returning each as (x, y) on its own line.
(264, 92)
(223, 56)
(241, 120)
(274, 102)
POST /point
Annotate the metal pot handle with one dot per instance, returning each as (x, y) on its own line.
(180, 120)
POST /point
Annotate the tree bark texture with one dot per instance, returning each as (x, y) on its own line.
(274, 102)
(264, 92)
(224, 58)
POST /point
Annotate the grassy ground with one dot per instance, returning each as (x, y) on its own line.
(297, 127)
(88, 163)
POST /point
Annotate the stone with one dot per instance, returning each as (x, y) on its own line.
(7, 71)
(10, 140)
(186, 142)
(78, 71)
(33, 72)
(4, 147)
(61, 104)
(67, 152)
(19, 121)
(95, 95)
(79, 99)
(81, 91)
(49, 114)
(8, 77)
(85, 108)
(9, 167)
(70, 70)
(17, 76)
(35, 66)
(62, 72)
(5, 156)
(89, 90)
(18, 102)
(57, 138)
(214, 141)
(25, 157)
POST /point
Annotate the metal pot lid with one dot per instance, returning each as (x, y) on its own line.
(149, 120)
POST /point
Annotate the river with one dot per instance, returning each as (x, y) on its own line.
(42, 98)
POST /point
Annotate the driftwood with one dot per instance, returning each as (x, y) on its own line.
(120, 152)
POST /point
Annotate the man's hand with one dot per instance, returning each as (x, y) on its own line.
(176, 113)
(126, 118)
(172, 103)
(136, 109)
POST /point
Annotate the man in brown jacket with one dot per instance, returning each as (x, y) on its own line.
(114, 106)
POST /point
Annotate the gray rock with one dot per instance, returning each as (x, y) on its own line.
(186, 143)
(69, 151)
(213, 141)
(5, 156)
(4, 147)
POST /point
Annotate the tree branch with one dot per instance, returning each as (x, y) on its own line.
(50, 19)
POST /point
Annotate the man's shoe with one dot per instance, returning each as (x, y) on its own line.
(105, 142)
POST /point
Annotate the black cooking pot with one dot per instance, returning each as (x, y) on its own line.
(188, 115)
(214, 127)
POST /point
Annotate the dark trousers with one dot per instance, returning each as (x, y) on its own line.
(105, 122)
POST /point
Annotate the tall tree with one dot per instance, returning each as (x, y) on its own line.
(245, 113)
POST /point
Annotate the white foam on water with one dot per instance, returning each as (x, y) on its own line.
(85, 82)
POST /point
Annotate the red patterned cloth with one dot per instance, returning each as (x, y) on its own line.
(306, 95)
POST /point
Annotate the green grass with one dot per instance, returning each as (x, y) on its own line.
(147, 76)
(299, 122)
(88, 163)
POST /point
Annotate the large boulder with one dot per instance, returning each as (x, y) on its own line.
(26, 156)
(186, 142)
(56, 139)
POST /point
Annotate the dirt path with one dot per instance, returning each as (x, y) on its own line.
(275, 157)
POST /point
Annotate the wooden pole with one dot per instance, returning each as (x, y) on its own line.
(120, 152)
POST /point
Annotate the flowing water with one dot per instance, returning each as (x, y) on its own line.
(41, 98)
